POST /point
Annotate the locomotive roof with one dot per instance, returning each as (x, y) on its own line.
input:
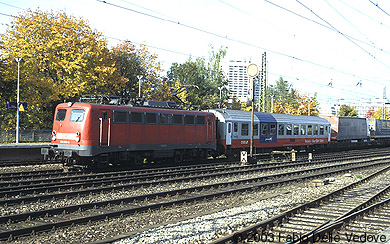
(239, 115)
(118, 107)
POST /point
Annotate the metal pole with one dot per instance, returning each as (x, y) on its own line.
(17, 104)
(308, 112)
(252, 119)
(139, 84)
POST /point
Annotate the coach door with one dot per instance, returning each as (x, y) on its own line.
(267, 132)
(105, 121)
(209, 129)
(229, 133)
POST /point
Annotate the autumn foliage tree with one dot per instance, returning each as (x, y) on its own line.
(287, 100)
(131, 62)
(64, 58)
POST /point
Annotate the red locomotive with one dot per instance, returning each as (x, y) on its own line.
(95, 135)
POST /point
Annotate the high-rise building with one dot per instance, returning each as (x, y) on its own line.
(238, 80)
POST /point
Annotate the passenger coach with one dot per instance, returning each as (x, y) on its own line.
(271, 131)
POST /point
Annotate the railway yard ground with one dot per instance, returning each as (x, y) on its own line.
(338, 197)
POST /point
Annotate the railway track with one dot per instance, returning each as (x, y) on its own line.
(319, 220)
(47, 219)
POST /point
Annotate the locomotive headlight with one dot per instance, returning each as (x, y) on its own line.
(77, 136)
(53, 135)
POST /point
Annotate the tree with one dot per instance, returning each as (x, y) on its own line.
(132, 62)
(347, 111)
(195, 74)
(64, 58)
(379, 114)
(370, 113)
(287, 100)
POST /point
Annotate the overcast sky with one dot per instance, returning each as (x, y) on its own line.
(308, 43)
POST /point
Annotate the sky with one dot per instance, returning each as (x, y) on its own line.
(339, 49)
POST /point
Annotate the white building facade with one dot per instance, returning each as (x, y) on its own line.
(238, 80)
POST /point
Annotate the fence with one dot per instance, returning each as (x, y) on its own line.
(9, 136)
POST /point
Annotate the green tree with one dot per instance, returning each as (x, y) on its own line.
(347, 111)
(288, 100)
(201, 80)
(64, 58)
(132, 62)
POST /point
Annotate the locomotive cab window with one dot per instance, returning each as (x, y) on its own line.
(120, 117)
(177, 119)
(77, 115)
(103, 116)
(136, 117)
(61, 114)
(164, 119)
(150, 118)
(200, 120)
(189, 120)
(235, 127)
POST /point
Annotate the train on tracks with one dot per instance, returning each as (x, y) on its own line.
(124, 133)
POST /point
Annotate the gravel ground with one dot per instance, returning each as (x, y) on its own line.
(183, 224)
(96, 197)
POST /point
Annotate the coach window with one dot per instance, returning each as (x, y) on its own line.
(136, 117)
(296, 130)
(281, 130)
(200, 120)
(164, 119)
(315, 131)
(77, 115)
(177, 119)
(150, 118)
(309, 130)
(235, 127)
(189, 120)
(120, 117)
(303, 129)
(289, 129)
(264, 129)
(321, 130)
(272, 129)
(61, 113)
(244, 129)
(255, 129)
(208, 121)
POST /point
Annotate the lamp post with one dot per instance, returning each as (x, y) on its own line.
(139, 84)
(18, 60)
(252, 70)
(308, 109)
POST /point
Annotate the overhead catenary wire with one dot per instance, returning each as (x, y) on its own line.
(234, 40)
(341, 33)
